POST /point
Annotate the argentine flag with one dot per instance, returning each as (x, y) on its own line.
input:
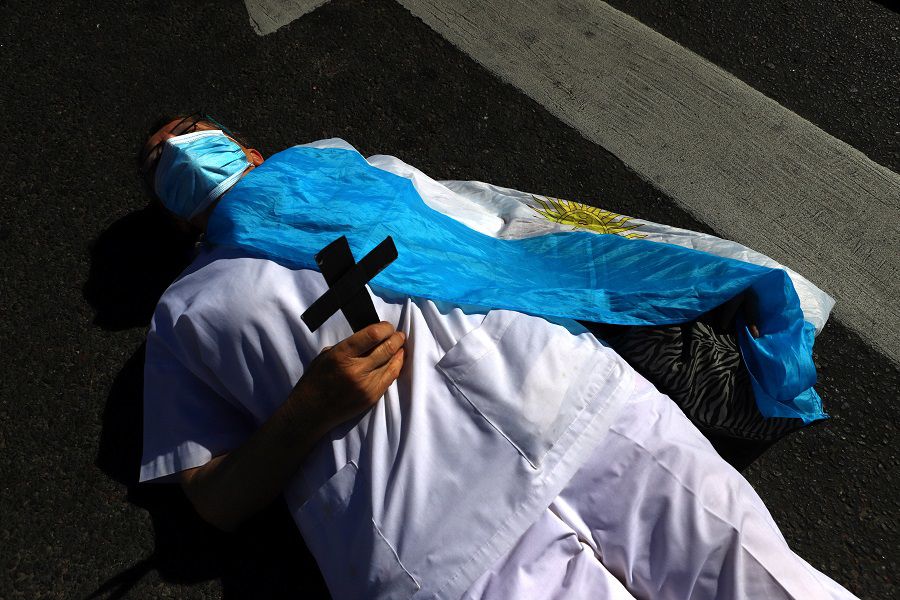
(477, 244)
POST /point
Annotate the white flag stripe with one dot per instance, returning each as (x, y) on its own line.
(511, 214)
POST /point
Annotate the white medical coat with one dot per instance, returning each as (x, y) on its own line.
(491, 416)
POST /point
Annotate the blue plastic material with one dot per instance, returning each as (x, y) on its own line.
(196, 168)
(301, 199)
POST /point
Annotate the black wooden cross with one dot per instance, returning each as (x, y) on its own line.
(347, 281)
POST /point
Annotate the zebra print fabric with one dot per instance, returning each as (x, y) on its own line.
(699, 366)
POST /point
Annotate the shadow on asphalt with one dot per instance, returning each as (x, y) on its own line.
(132, 263)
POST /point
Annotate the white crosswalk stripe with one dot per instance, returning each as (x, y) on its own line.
(268, 16)
(751, 169)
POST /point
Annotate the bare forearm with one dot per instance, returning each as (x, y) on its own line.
(234, 486)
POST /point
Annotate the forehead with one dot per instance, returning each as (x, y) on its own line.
(153, 146)
(165, 131)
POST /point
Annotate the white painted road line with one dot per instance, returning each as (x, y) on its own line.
(740, 162)
(267, 16)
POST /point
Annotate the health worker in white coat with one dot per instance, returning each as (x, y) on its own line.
(449, 451)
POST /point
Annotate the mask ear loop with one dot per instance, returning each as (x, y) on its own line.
(220, 189)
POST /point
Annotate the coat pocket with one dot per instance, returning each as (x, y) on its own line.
(525, 376)
(355, 558)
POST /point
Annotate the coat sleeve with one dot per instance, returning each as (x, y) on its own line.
(186, 421)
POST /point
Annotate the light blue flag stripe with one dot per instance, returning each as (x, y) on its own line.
(303, 198)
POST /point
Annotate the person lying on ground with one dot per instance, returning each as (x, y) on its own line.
(453, 450)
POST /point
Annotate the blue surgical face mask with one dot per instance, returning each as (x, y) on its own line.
(195, 169)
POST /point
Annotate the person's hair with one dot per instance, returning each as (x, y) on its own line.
(155, 126)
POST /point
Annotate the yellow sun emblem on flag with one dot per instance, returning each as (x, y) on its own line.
(583, 216)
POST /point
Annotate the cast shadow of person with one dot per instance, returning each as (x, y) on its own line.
(132, 263)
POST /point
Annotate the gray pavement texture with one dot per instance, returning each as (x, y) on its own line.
(836, 64)
(83, 262)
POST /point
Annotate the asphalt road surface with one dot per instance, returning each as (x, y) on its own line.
(83, 260)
